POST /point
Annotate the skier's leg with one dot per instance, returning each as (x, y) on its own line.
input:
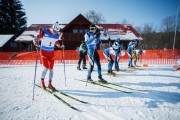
(51, 65)
(79, 62)
(50, 80)
(84, 62)
(91, 64)
(97, 61)
(43, 77)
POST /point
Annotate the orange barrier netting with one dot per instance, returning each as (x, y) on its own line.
(71, 57)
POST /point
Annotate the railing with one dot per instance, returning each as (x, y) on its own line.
(71, 57)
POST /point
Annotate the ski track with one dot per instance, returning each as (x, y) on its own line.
(160, 101)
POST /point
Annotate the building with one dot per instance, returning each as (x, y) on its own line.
(74, 33)
(7, 43)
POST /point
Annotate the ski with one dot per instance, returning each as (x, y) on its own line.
(59, 92)
(123, 86)
(114, 75)
(136, 68)
(101, 84)
(60, 99)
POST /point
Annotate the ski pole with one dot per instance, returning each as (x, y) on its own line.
(35, 73)
(64, 63)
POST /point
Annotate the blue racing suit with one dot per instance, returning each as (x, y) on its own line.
(129, 52)
(114, 50)
(91, 42)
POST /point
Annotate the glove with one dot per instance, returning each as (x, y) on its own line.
(62, 38)
(62, 47)
(37, 47)
(97, 34)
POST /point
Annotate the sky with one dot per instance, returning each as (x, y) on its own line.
(136, 12)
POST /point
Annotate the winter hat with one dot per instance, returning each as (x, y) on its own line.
(118, 39)
(56, 27)
(92, 27)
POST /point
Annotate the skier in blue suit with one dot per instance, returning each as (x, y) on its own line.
(114, 50)
(131, 47)
(92, 38)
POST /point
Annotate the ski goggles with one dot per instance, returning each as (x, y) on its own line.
(93, 28)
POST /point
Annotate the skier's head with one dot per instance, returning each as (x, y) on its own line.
(136, 41)
(118, 39)
(56, 27)
(93, 28)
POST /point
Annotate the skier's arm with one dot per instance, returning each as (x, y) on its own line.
(61, 38)
(88, 40)
(37, 38)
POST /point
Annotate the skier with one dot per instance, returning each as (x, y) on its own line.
(114, 50)
(136, 55)
(82, 55)
(131, 47)
(117, 50)
(92, 38)
(49, 37)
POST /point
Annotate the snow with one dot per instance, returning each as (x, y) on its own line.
(117, 33)
(27, 36)
(4, 39)
(24, 38)
(160, 101)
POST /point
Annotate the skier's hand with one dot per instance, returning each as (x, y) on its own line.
(62, 47)
(37, 47)
(62, 38)
(97, 34)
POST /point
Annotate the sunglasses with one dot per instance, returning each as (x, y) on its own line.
(93, 28)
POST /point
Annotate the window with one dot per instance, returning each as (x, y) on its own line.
(13, 44)
(75, 30)
(86, 30)
(80, 30)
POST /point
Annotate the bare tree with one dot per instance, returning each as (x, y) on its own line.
(139, 29)
(148, 34)
(167, 29)
(95, 17)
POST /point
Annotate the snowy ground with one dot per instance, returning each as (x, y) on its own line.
(160, 101)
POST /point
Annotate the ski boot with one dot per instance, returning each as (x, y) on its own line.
(78, 68)
(43, 84)
(111, 73)
(51, 87)
(130, 66)
(117, 69)
(89, 79)
(84, 67)
(101, 79)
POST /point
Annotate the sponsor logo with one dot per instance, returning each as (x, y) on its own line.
(46, 35)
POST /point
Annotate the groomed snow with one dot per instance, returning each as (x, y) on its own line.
(160, 101)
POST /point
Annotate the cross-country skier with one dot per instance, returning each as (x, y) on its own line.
(131, 47)
(92, 38)
(136, 55)
(82, 55)
(114, 50)
(49, 37)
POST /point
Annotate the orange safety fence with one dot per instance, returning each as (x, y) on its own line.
(71, 57)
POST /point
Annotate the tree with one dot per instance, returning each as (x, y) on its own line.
(167, 28)
(12, 17)
(148, 34)
(95, 17)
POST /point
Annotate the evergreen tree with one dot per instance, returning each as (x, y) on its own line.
(12, 17)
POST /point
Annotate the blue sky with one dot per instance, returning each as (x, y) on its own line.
(136, 12)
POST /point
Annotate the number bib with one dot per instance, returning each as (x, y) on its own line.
(48, 41)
